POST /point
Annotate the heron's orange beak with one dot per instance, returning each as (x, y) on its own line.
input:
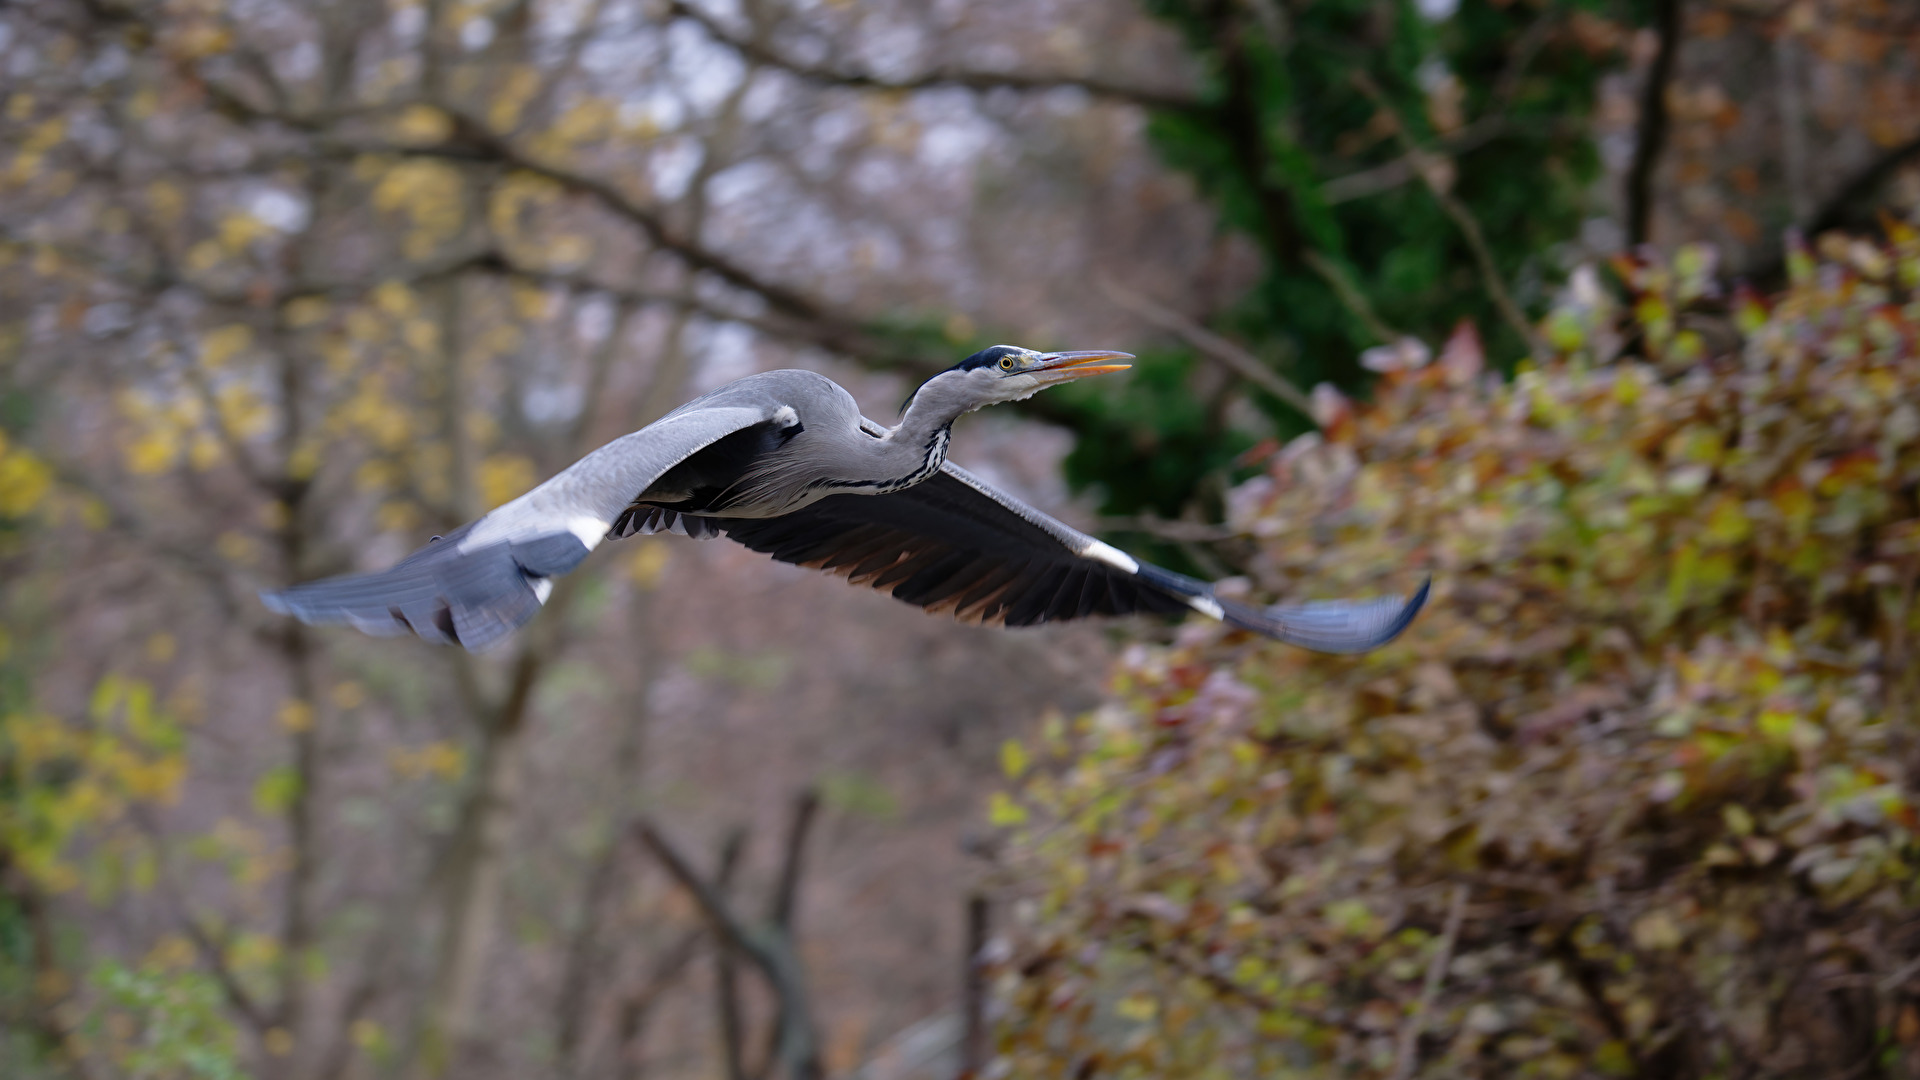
(1066, 366)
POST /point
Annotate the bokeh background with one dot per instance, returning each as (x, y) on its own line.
(1602, 312)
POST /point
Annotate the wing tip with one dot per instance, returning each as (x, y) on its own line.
(1410, 611)
(1335, 627)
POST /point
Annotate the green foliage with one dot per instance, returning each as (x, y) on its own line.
(1141, 439)
(157, 1023)
(1651, 744)
(64, 781)
(1312, 119)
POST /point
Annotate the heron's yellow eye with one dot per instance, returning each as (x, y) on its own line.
(1006, 363)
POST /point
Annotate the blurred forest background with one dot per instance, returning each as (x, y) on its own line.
(1603, 312)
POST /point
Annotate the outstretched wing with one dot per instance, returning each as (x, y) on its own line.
(476, 585)
(957, 543)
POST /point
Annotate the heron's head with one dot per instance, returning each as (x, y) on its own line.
(1010, 373)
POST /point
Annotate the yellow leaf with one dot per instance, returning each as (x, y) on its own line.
(167, 200)
(518, 89)
(305, 311)
(236, 548)
(204, 256)
(422, 124)
(502, 477)
(1002, 811)
(649, 562)
(1657, 929)
(295, 716)
(24, 481)
(1013, 759)
(1727, 522)
(172, 952)
(161, 647)
(394, 298)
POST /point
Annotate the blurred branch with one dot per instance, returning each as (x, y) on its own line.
(1842, 207)
(1469, 226)
(212, 952)
(584, 952)
(1221, 985)
(1210, 345)
(799, 1044)
(938, 78)
(1349, 294)
(1407, 1055)
(1392, 174)
(1241, 116)
(973, 991)
(638, 1007)
(781, 911)
(1861, 186)
(726, 980)
(472, 141)
(122, 518)
(806, 807)
(1654, 121)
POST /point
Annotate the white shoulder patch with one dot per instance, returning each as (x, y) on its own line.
(591, 530)
(542, 588)
(785, 416)
(1110, 555)
(511, 527)
(1208, 606)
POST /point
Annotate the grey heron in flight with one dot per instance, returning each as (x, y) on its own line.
(784, 463)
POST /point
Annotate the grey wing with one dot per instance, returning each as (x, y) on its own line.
(486, 578)
(957, 543)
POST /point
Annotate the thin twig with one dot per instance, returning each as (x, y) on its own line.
(1408, 1053)
(1351, 296)
(938, 78)
(1894, 981)
(1462, 217)
(1392, 174)
(1211, 345)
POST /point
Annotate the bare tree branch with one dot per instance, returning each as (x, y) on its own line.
(806, 807)
(1654, 120)
(973, 991)
(1407, 1053)
(799, 1045)
(638, 1006)
(939, 78)
(1210, 345)
(1406, 167)
(1439, 186)
(726, 981)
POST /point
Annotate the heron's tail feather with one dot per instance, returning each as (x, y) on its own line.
(472, 598)
(1331, 626)
(1328, 626)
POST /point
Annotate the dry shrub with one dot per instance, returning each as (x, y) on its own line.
(1648, 752)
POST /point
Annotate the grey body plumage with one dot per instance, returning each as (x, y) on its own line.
(784, 463)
